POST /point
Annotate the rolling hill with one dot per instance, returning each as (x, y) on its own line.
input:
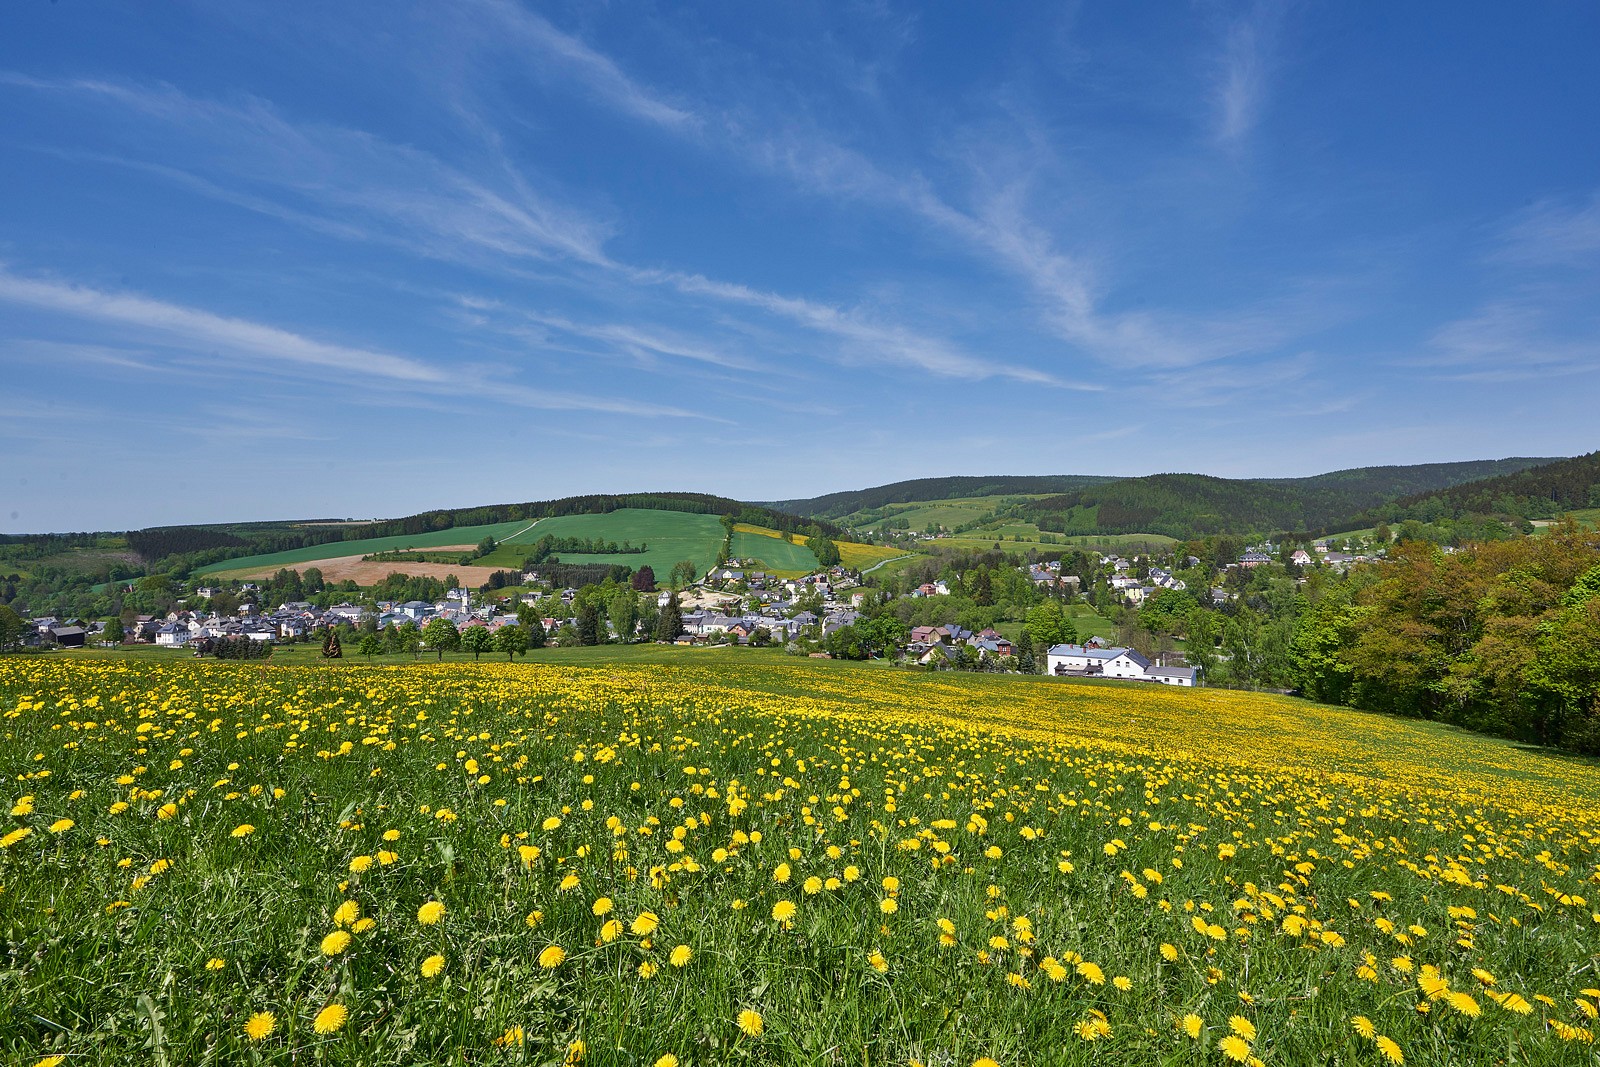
(1175, 505)
(1539, 491)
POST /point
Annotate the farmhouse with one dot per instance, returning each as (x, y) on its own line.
(1081, 661)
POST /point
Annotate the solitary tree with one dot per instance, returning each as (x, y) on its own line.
(331, 649)
(512, 640)
(624, 612)
(683, 574)
(370, 645)
(644, 579)
(589, 624)
(670, 622)
(477, 640)
(442, 636)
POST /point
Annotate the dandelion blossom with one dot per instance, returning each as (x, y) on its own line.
(1192, 1025)
(552, 957)
(432, 966)
(1364, 1026)
(347, 913)
(430, 913)
(1091, 973)
(1390, 1050)
(1235, 1048)
(330, 1019)
(260, 1026)
(668, 1060)
(751, 1022)
(244, 829)
(888, 905)
(61, 826)
(680, 956)
(1242, 1026)
(783, 911)
(645, 923)
(335, 943)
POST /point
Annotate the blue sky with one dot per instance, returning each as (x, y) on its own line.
(266, 260)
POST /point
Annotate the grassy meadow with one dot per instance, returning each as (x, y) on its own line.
(688, 857)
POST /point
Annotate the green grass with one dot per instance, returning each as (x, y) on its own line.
(460, 535)
(782, 557)
(207, 841)
(670, 535)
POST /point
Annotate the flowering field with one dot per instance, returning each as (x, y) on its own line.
(772, 863)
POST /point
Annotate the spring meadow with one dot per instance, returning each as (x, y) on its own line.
(675, 533)
(772, 864)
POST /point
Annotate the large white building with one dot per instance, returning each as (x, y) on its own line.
(1083, 661)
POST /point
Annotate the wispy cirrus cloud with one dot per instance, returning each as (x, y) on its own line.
(1552, 233)
(220, 340)
(517, 28)
(1241, 78)
(343, 181)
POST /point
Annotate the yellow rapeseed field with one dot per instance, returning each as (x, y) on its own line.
(772, 863)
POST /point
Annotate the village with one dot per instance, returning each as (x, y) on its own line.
(735, 603)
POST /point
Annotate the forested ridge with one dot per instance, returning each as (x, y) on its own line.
(1537, 492)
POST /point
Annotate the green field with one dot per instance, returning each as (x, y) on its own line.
(670, 535)
(785, 558)
(459, 535)
(678, 857)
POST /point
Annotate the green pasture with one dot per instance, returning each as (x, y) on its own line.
(670, 535)
(294, 557)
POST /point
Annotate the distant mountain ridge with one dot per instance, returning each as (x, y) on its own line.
(1533, 492)
(834, 505)
(1182, 505)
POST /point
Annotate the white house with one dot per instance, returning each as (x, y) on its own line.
(1126, 663)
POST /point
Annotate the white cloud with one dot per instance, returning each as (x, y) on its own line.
(574, 59)
(221, 339)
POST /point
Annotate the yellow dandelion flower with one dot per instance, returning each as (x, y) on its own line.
(330, 1019)
(780, 874)
(61, 826)
(783, 911)
(569, 883)
(14, 836)
(603, 906)
(751, 1022)
(1122, 982)
(888, 905)
(984, 1061)
(360, 864)
(878, 962)
(1516, 1003)
(552, 957)
(667, 1060)
(244, 829)
(1390, 1050)
(610, 930)
(644, 924)
(51, 1061)
(1464, 1004)
(679, 957)
(852, 873)
(648, 969)
(1235, 1048)
(1091, 973)
(432, 966)
(813, 885)
(575, 1052)
(1169, 952)
(552, 823)
(347, 913)
(430, 913)
(1364, 1026)
(1242, 1026)
(260, 1026)
(335, 943)
(1192, 1024)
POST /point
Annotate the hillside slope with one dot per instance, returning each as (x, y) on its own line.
(1188, 505)
(1535, 492)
